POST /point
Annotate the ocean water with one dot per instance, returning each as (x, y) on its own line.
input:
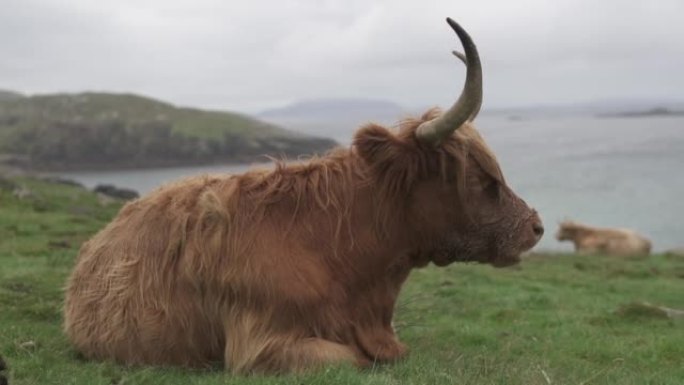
(616, 172)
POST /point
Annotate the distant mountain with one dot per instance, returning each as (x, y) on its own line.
(104, 130)
(336, 118)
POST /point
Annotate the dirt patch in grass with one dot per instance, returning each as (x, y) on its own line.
(18, 287)
(645, 310)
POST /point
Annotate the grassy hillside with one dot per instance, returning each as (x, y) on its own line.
(552, 320)
(9, 95)
(101, 130)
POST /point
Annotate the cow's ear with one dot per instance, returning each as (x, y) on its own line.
(376, 145)
(388, 155)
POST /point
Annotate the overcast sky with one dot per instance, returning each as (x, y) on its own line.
(250, 55)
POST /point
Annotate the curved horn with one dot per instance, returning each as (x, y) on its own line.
(462, 57)
(468, 104)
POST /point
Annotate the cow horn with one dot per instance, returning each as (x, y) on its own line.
(468, 104)
(462, 57)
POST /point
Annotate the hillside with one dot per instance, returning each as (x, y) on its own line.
(9, 95)
(102, 130)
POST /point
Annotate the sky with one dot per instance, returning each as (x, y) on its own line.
(252, 55)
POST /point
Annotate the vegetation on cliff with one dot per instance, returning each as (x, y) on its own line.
(101, 130)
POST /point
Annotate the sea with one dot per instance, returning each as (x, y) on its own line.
(603, 171)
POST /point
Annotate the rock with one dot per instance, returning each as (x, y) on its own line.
(648, 310)
(115, 192)
(28, 345)
(60, 180)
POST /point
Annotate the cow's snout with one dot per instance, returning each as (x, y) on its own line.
(538, 229)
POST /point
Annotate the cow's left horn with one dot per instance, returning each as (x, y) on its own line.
(468, 104)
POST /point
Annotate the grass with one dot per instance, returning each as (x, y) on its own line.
(552, 320)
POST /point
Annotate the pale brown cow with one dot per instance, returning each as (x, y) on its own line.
(597, 240)
(293, 268)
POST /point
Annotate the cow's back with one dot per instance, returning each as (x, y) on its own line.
(632, 243)
(626, 242)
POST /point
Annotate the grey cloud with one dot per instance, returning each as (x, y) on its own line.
(254, 55)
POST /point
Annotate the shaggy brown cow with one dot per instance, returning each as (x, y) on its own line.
(596, 240)
(300, 266)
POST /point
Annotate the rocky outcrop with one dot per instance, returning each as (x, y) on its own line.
(116, 192)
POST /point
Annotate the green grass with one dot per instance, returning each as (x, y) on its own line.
(552, 320)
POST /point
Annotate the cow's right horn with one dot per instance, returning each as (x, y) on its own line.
(468, 104)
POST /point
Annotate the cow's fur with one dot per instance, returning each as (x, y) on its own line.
(291, 268)
(596, 240)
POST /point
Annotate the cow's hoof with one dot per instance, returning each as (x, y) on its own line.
(391, 352)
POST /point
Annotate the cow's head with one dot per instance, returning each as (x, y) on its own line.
(567, 231)
(456, 200)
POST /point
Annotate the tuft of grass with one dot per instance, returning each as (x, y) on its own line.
(554, 319)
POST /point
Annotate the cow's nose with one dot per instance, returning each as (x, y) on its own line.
(538, 228)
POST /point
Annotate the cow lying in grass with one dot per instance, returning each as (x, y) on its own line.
(301, 266)
(596, 240)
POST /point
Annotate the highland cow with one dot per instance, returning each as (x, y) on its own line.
(597, 240)
(299, 266)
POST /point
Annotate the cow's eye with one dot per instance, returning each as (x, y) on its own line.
(492, 188)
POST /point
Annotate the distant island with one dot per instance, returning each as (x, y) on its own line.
(93, 131)
(656, 111)
(337, 118)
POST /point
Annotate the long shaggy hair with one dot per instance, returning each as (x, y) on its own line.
(329, 183)
(270, 270)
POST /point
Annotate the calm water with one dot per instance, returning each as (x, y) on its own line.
(606, 172)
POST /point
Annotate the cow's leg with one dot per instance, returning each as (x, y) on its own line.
(381, 344)
(588, 247)
(311, 353)
(285, 355)
(583, 248)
